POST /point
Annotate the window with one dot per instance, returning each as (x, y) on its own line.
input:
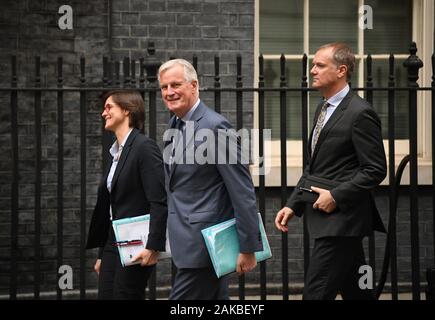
(294, 27)
(282, 31)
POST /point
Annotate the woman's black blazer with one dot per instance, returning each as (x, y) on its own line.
(138, 187)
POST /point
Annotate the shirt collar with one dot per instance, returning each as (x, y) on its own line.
(116, 148)
(339, 96)
(189, 114)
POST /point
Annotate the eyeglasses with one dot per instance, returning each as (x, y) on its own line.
(107, 107)
(173, 85)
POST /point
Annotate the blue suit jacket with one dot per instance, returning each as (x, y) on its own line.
(201, 195)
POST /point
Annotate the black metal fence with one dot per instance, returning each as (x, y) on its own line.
(145, 80)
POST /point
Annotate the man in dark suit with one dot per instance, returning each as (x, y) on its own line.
(345, 149)
(202, 193)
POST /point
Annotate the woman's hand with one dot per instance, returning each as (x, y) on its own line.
(146, 257)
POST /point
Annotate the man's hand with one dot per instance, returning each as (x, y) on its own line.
(282, 218)
(246, 262)
(97, 266)
(325, 202)
(147, 257)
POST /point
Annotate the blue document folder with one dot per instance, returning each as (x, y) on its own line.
(132, 235)
(223, 246)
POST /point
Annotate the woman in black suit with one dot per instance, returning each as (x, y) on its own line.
(133, 185)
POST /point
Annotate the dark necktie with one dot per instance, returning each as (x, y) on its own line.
(319, 125)
(179, 125)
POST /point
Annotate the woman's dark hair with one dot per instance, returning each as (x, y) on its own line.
(130, 100)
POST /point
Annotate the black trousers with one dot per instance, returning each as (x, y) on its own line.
(333, 269)
(118, 282)
(199, 284)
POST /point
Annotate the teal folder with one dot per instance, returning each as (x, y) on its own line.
(223, 246)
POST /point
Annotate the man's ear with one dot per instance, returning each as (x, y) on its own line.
(342, 71)
(194, 85)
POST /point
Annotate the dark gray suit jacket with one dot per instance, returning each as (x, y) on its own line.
(201, 195)
(349, 151)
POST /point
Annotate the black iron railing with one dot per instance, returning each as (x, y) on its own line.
(142, 75)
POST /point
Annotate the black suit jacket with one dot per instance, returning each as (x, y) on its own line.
(138, 187)
(349, 151)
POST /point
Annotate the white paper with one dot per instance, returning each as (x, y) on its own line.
(134, 229)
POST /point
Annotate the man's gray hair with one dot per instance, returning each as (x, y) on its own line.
(189, 71)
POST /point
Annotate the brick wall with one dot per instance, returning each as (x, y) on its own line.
(29, 29)
(183, 28)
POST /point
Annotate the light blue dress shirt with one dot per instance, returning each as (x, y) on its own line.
(334, 101)
(188, 115)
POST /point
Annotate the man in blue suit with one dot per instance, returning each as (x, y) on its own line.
(202, 194)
